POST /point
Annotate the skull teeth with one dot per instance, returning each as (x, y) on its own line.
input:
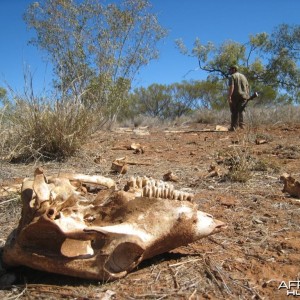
(150, 188)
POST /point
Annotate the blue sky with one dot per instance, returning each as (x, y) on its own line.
(209, 20)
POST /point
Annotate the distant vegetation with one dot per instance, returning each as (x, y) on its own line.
(96, 51)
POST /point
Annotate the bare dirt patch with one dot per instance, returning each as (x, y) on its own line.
(259, 249)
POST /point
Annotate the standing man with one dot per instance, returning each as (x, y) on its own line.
(238, 93)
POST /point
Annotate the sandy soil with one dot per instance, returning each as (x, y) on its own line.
(234, 176)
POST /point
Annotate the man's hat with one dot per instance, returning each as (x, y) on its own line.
(234, 67)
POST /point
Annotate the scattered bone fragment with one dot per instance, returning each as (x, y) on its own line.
(216, 129)
(213, 171)
(99, 159)
(96, 179)
(221, 128)
(132, 146)
(135, 146)
(138, 148)
(291, 185)
(170, 176)
(102, 237)
(120, 166)
(141, 131)
(260, 141)
(227, 200)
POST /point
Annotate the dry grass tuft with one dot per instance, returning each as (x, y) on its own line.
(36, 129)
(240, 165)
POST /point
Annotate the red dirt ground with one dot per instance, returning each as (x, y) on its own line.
(249, 260)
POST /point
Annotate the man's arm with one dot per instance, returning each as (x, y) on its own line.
(230, 92)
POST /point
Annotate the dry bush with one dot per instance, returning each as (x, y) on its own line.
(141, 120)
(38, 128)
(240, 165)
(238, 161)
(256, 116)
(266, 166)
(4, 132)
(208, 116)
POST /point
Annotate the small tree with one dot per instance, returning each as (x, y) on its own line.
(93, 46)
(271, 63)
(153, 101)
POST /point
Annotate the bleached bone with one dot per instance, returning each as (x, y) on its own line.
(291, 185)
(119, 166)
(101, 236)
(96, 179)
(170, 176)
(138, 148)
(149, 187)
(213, 171)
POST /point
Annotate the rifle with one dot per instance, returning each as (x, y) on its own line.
(254, 95)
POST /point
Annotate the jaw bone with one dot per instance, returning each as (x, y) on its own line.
(100, 237)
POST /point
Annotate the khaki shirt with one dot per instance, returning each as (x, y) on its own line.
(241, 85)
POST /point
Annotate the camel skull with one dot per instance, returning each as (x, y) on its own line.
(101, 236)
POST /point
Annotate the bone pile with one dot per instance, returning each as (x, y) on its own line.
(149, 187)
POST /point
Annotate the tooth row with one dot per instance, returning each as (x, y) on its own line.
(157, 189)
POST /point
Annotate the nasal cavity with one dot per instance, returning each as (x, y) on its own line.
(52, 214)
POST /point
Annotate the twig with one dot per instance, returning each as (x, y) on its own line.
(222, 279)
(125, 161)
(157, 276)
(19, 295)
(174, 276)
(193, 131)
(248, 288)
(6, 201)
(212, 271)
(138, 163)
(216, 242)
(184, 262)
(192, 295)
(63, 292)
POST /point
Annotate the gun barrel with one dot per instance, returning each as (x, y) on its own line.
(254, 95)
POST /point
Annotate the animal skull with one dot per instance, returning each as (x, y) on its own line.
(102, 236)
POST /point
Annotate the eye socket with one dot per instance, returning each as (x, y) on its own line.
(124, 258)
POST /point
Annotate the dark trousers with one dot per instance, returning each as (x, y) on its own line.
(237, 112)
